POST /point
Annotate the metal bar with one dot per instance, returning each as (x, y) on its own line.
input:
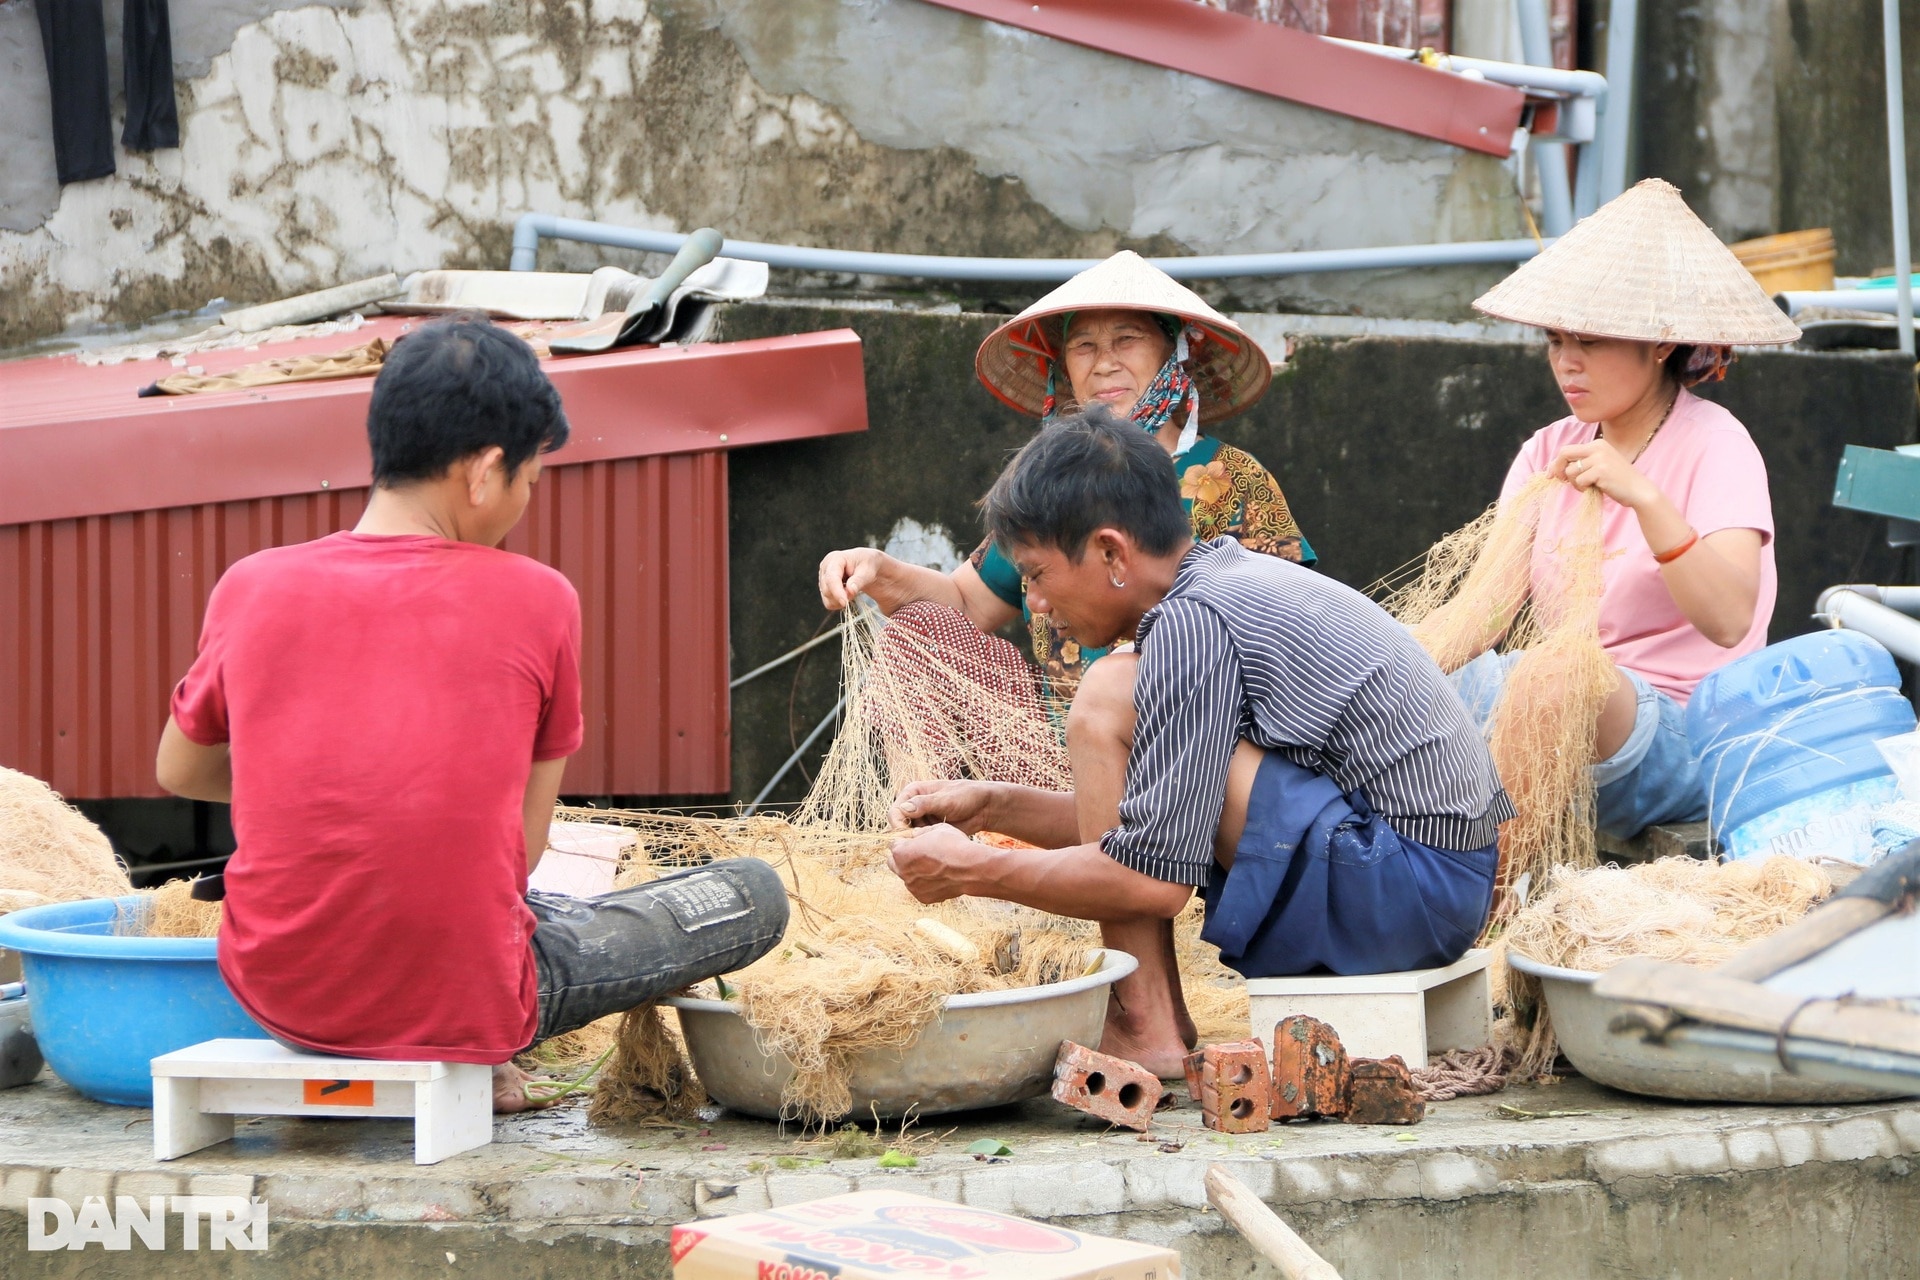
(1813, 1059)
(786, 657)
(1616, 125)
(1897, 172)
(794, 759)
(1901, 599)
(533, 227)
(1274, 60)
(1556, 191)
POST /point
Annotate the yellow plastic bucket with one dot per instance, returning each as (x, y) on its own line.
(1795, 260)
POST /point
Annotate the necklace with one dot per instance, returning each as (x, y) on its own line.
(1648, 442)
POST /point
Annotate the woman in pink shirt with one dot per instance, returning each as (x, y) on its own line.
(1639, 303)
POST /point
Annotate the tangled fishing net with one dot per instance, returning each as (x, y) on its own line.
(49, 852)
(1502, 583)
(864, 966)
(1674, 909)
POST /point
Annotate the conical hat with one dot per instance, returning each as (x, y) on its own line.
(1642, 267)
(1229, 369)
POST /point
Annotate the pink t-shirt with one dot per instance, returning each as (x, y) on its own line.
(1707, 465)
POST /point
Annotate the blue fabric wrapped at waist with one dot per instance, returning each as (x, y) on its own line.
(1321, 883)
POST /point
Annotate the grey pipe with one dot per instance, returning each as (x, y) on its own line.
(1897, 171)
(1885, 301)
(1848, 609)
(1616, 121)
(1556, 196)
(1903, 599)
(1517, 75)
(532, 227)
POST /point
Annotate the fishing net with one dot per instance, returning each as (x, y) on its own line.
(49, 852)
(863, 966)
(1502, 582)
(171, 911)
(1675, 909)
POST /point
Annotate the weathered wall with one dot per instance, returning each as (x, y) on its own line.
(330, 141)
(1382, 445)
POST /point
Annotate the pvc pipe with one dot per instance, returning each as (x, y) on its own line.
(1547, 79)
(1897, 171)
(1885, 301)
(1903, 599)
(1849, 610)
(1556, 195)
(531, 227)
(1616, 124)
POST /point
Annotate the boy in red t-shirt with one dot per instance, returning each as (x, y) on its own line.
(389, 712)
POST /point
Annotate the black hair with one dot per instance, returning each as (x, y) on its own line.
(453, 388)
(1087, 470)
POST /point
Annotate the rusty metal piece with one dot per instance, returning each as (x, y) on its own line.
(1276, 61)
(1235, 1088)
(1381, 1091)
(1109, 1088)
(1309, 1069)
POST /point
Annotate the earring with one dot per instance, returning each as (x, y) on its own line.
(1116, 581)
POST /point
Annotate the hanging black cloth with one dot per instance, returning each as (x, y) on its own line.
(73, 35)
(146, 40)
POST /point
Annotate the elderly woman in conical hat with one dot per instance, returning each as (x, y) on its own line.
(1125, 335)
(1640, 303)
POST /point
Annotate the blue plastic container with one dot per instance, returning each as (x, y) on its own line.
(105, 1006)
(1785, 740)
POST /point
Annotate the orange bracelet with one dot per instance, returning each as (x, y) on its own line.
(1668, 557)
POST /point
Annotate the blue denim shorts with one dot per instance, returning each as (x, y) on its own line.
(1652, 778)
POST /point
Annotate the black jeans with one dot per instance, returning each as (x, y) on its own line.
(597, 956)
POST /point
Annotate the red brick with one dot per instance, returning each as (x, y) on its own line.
(1309, 1069)
(1381, 1091)
(1234, 1087)
(1192, 1067)
(1110, 1088)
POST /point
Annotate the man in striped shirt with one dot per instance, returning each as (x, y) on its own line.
(1274, 740)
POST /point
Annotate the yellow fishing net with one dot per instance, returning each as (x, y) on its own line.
(49, 852)
(1675, 909)
(1501, 582)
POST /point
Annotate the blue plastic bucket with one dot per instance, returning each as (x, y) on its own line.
(105, 1006)
(1785, 739)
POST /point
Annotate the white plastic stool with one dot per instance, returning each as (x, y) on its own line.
(1413, 1014)
(198, 1091)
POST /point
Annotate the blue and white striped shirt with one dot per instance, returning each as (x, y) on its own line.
(1247, 646)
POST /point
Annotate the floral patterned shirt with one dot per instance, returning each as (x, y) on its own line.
(1226, 492)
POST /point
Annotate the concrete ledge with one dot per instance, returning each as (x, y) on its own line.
(1645, 1188)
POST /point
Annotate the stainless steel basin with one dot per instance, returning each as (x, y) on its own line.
(986, 1049)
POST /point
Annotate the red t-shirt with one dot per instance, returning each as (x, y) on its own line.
(386, 698)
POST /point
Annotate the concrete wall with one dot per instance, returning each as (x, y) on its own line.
(325, 142)
(1382, 445)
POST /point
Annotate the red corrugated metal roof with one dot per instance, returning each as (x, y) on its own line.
(167, 451)
(1277, 61)
(101, 597)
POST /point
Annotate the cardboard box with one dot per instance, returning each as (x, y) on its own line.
(873, 1234)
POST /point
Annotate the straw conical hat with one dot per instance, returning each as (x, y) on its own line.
(1642, 267)
(1229, 369)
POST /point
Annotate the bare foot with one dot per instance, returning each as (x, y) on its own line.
(514, 1090)
(1164, 1055)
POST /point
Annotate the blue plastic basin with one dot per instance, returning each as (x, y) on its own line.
(105, 1006)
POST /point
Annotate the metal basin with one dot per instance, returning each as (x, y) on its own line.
(1623, 1062)
(986, 1049)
